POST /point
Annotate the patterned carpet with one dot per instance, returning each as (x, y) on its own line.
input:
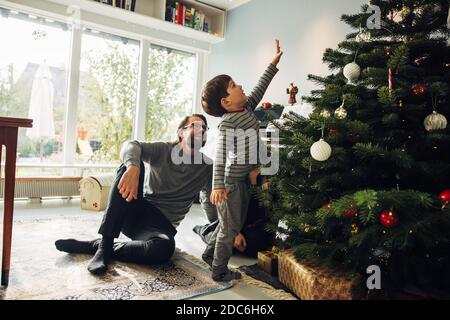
(39, 271)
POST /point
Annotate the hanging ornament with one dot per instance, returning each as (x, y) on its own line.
(390, 81)
(448, 19)
(435, 121)
(398, 16)
(405, 12)
(363, 36)
(445, 198)
(320, 150)
(325, 114)
(332, 131)
(419, 88)
(388, 50)
(351, 213)
(340, 112)
(352, 138)
(421, 60)
(327, 205)
(400, 104)
(355, 228)
(305, 227)
(352, 71)
(388, 218)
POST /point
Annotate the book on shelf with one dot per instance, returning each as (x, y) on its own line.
(180, 13)
(129, 5)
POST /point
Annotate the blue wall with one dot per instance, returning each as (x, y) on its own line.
(305, 29)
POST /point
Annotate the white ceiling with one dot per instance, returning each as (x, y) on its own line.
(225, 4)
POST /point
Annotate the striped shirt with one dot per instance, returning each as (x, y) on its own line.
(237, 146)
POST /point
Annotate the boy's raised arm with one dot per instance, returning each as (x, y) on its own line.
(260, 89)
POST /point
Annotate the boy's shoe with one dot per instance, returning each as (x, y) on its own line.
(226, 276)
(197, 229)
(208, 259)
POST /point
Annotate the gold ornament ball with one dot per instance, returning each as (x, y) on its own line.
(325, 114)
(340, 112)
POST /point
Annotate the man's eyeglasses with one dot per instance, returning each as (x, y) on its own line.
(196, 125)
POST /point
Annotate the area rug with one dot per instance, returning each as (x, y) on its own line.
(257, 273)
(39, 271)
(270, 285)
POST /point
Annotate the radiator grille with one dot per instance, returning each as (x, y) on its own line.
(44, 187)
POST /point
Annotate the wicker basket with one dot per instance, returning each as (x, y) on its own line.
(313, 281)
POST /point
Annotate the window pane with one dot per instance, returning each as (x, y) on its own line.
(171, 75)
(107, 96)
(33, 80)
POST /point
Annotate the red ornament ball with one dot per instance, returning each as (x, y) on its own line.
(419, 88)
(445, 196)
(388, 218)
(333, 131)
(353, 138)
(266, 105)
(351, 213)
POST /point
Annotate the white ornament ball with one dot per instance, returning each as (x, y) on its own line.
(321, 150)
(435, 121)
(352, 72)
(340, 112)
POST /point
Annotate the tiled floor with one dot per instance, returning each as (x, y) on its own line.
(186, 239)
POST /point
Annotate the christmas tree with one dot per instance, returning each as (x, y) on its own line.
(365, 180)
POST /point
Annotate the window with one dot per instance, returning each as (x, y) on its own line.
(107, 95)
(34, 82)
(171, 79)
(33, 79)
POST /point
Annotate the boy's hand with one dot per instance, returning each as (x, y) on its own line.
(239, 243)
(217, 195)
(253, 176)
(278, 53)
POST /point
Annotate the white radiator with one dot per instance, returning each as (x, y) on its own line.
(44, 187)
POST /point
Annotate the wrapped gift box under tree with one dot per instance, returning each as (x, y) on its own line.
(268, 261)
(315, 281)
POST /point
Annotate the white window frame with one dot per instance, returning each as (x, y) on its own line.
(74, 73)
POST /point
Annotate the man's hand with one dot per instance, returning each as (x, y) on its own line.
(128, 184)
(239, 243)
(278, 53)
(217, 196)
(253, 176)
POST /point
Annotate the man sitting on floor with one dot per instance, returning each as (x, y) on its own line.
(178, 171)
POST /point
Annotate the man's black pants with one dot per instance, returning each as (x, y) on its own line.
(151, 233)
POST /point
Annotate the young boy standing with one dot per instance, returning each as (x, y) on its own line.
(222, 97)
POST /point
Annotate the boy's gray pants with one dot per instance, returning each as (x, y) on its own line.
(232, 214)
